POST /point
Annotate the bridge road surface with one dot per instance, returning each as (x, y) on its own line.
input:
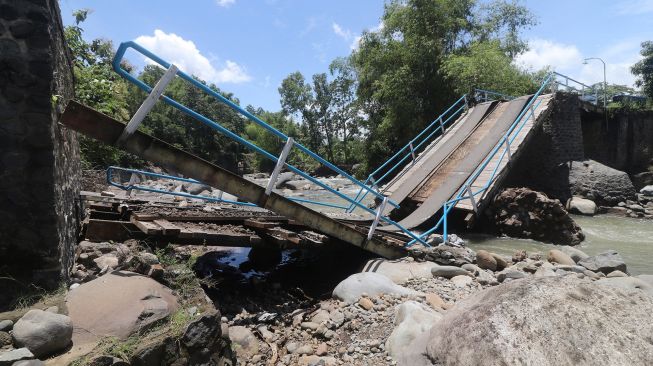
(415, 173)
(522, 138)
(444, 181)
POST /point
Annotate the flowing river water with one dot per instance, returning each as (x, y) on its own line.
(631, 238)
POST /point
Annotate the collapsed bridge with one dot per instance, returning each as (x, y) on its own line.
(456, 163)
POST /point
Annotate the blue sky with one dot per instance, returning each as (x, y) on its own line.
(248, 46)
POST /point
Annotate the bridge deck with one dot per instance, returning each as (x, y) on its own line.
(516, 147)
(413, 175)
(444, 181)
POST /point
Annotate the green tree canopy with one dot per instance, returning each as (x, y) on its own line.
(643, 69)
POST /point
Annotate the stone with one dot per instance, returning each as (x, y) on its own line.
(314, 326)
(107, 260)
(8, 358)
(485, 260)
(407, 342)
(504, 325)
(461, 280)
(400, 271)
(118, 304)
(484, 277)
(148, 258)
(524, 213)
(628, 283)
(557, 256)
(647, 191)
(6, 325)
(195, 188)
(448, 271)
(365, 303)
(605, 262)
(581, 206)
(445, 254)
(519, 256)
(322, 349)
(321, 316)
(41, 363)
(5, 339)
(501, 262)
(370, 283)
(510, 274)
(245, 342)
(203, 332)
(305, 349)
(603, 185)
(42, 332)
(435, 301)
(616, 273)
(575, 254)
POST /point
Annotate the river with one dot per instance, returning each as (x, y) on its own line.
(632, 238)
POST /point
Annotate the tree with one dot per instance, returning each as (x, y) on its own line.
(643, 69)
(402, 85)
(485, 65)
(97, 86)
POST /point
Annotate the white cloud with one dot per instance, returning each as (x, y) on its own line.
(634, 7)
(185, 55)
(542, 53)
(340, 32)
(568, 60)
(225, 3)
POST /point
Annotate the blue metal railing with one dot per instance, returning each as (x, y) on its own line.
(411, 148)
(409, 151)
(466, 191)
(131, 186)
(120, 53)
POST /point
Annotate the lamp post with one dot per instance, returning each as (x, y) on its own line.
(605, 83)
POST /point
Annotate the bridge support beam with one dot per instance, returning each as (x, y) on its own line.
(105, 129)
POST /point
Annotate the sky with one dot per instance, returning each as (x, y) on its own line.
(248, 47)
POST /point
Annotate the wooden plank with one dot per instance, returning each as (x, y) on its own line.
(168, 227)
(258, 224)
(102, 230)
(200, 218)
(148, 228)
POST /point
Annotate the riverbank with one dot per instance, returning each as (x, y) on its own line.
(631, 237)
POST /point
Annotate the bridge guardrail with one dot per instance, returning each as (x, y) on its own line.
(156, 93)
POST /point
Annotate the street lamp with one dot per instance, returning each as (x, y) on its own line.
(605, 83)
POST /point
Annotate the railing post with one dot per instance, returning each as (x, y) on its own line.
(442, 124)
(148, 104)
(508, 149)
(412, 151)
(379, 212)
(471, 198)
(277, 168)
(466, 106)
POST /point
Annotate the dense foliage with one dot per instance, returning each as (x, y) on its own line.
(644, 69)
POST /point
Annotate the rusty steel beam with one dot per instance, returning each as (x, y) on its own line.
(106, 129)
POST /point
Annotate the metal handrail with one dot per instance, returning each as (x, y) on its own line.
(131, 186)
(583, 86)
(466, 192)
(140, 84)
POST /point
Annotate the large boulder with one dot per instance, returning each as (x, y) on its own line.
(524, 213)
(630, 283)
(485, 260)
(546, 321)
(647, 191)
(407, 341)
(605, 262)
(557, 256)
(448, 271)
(400, 271)
(444, 254)
(43, 332)
(576, 254)
(600, 183)
(370, 283)
(118, 304)
(582, 206)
